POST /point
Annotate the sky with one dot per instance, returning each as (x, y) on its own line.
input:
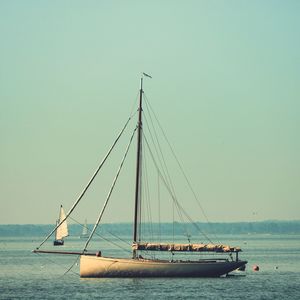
(225, 87)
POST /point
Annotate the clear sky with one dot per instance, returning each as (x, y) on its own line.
(226, 87)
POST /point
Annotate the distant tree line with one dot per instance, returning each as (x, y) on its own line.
(125, 229)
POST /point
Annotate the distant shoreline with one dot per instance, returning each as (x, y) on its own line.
(267, 227)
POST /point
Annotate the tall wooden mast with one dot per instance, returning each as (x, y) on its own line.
(138, 170)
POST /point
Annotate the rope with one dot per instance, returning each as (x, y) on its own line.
(53, 262)
(102, 211)
(146, 190)
(163, 165)
(173, 197)
(102, 237)
(165, 170)
(109, 193)
(71, 267)
(87, 186)
(179, 164)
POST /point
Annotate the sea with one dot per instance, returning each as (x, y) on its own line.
(25, 275)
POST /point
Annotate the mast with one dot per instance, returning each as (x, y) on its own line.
(138, 169)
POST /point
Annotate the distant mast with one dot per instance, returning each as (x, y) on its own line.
(138, 171)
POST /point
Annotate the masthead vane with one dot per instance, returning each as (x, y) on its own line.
(147, 75)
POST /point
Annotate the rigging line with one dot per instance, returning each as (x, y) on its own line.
(173, 220)
(71, 267)
(101, 236)
(163, 178)
(194, 223)
(110, 192)
(180, 166)
(179, 212)
(53, 262)
(133, 114)
(134, 103)
(161, 152)
(154, 144)
(113, 243)
(117, 237)
(164, 165)
(164, 168)
(162, 155)
(173, 197)
(158, 197)
(142, 196)
(87, 186)
(167, 178)
(147, 193)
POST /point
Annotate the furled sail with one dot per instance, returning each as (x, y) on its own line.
(184, 247)
(62, 230)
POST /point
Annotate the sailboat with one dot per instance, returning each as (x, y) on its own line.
(84, 234)
(62, 230)
(138, 265)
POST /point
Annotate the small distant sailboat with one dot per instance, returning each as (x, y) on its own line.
(62, 231)
(85, 233)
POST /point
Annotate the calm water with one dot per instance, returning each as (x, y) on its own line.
(25, 275)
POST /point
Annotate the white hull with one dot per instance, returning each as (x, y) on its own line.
(93, 266)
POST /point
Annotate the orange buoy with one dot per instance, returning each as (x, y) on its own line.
(255, 268)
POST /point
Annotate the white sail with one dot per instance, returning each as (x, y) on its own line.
(62, 230)
(85, 230)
